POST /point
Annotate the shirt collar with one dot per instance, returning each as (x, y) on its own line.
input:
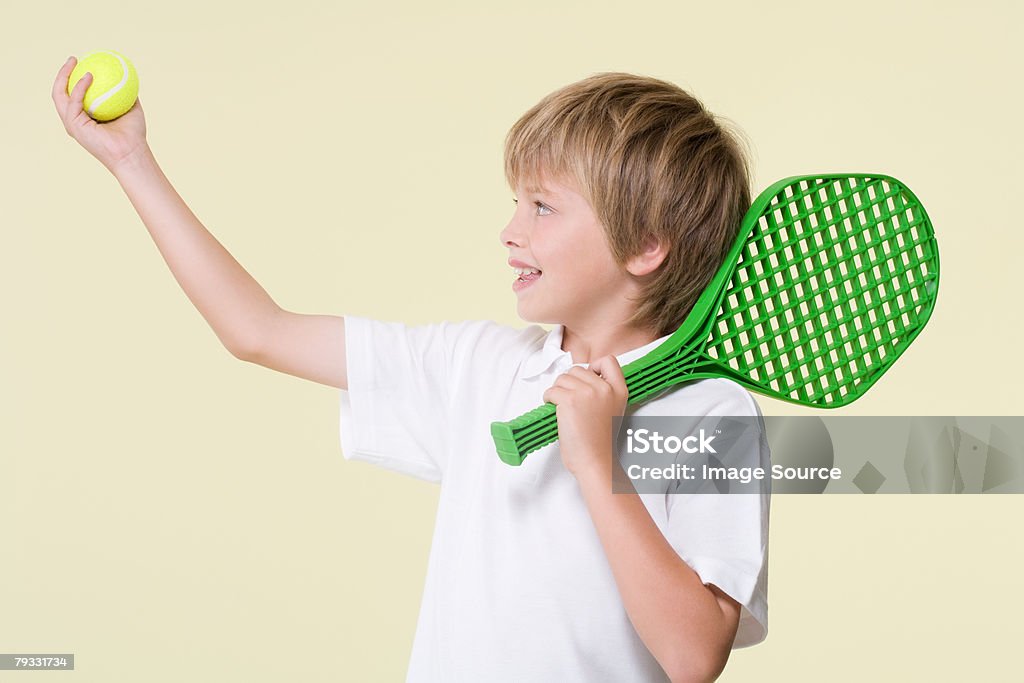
(551, 352)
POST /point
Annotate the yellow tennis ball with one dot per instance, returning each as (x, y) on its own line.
(114, 87)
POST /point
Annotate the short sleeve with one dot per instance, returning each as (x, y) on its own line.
(403, 382)
(395, 411)
(724, 537)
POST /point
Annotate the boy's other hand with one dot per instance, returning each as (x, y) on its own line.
(586, 400)
(111, 142)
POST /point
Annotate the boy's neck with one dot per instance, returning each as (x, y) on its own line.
(586, 348)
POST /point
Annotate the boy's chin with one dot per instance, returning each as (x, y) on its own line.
(530, 314)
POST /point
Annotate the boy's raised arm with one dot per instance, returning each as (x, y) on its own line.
(243, 316)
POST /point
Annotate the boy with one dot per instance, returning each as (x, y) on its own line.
(629, 194)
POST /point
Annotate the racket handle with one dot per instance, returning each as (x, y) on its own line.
(645, 378)
(529, 432)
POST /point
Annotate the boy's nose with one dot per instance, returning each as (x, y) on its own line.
(509, 237)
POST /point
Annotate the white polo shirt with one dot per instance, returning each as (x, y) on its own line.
(518, 587)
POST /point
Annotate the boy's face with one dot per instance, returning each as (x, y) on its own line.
(554, 229)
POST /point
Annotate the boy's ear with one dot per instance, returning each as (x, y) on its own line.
(649, 259)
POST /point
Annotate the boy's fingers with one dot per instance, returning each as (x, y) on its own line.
(60, 84)
(606, 364)
(609, 369)
(573, 377)
(566, 382)
(553, 395)
(78, 92)
(75, 103)
(591, 375)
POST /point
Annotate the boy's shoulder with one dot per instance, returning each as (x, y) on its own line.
(467, 347)
(714, 396)
(716, 403)
(483, 350)
(464, 336)
(492, 338)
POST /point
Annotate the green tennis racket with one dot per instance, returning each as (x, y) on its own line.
(830, 279)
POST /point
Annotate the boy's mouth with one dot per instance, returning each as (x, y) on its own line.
(527, 274)
(525, 277)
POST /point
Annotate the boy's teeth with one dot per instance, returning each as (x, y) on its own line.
(524, 271)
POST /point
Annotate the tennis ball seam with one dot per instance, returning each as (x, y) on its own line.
(96, 103)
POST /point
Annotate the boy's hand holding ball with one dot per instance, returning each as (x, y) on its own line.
(114, 86)
(97, 100)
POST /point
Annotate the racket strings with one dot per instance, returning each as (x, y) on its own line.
(819, 301)
(832, 279)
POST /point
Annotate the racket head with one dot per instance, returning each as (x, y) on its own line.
(836, 276)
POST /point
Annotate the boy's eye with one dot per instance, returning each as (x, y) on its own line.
(542, 208)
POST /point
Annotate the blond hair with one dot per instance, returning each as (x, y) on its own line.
(654, 164)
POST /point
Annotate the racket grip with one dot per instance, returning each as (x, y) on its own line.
(529, 432)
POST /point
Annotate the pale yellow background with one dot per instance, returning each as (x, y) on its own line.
(168, 513)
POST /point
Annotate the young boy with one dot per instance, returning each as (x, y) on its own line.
(628, 195)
